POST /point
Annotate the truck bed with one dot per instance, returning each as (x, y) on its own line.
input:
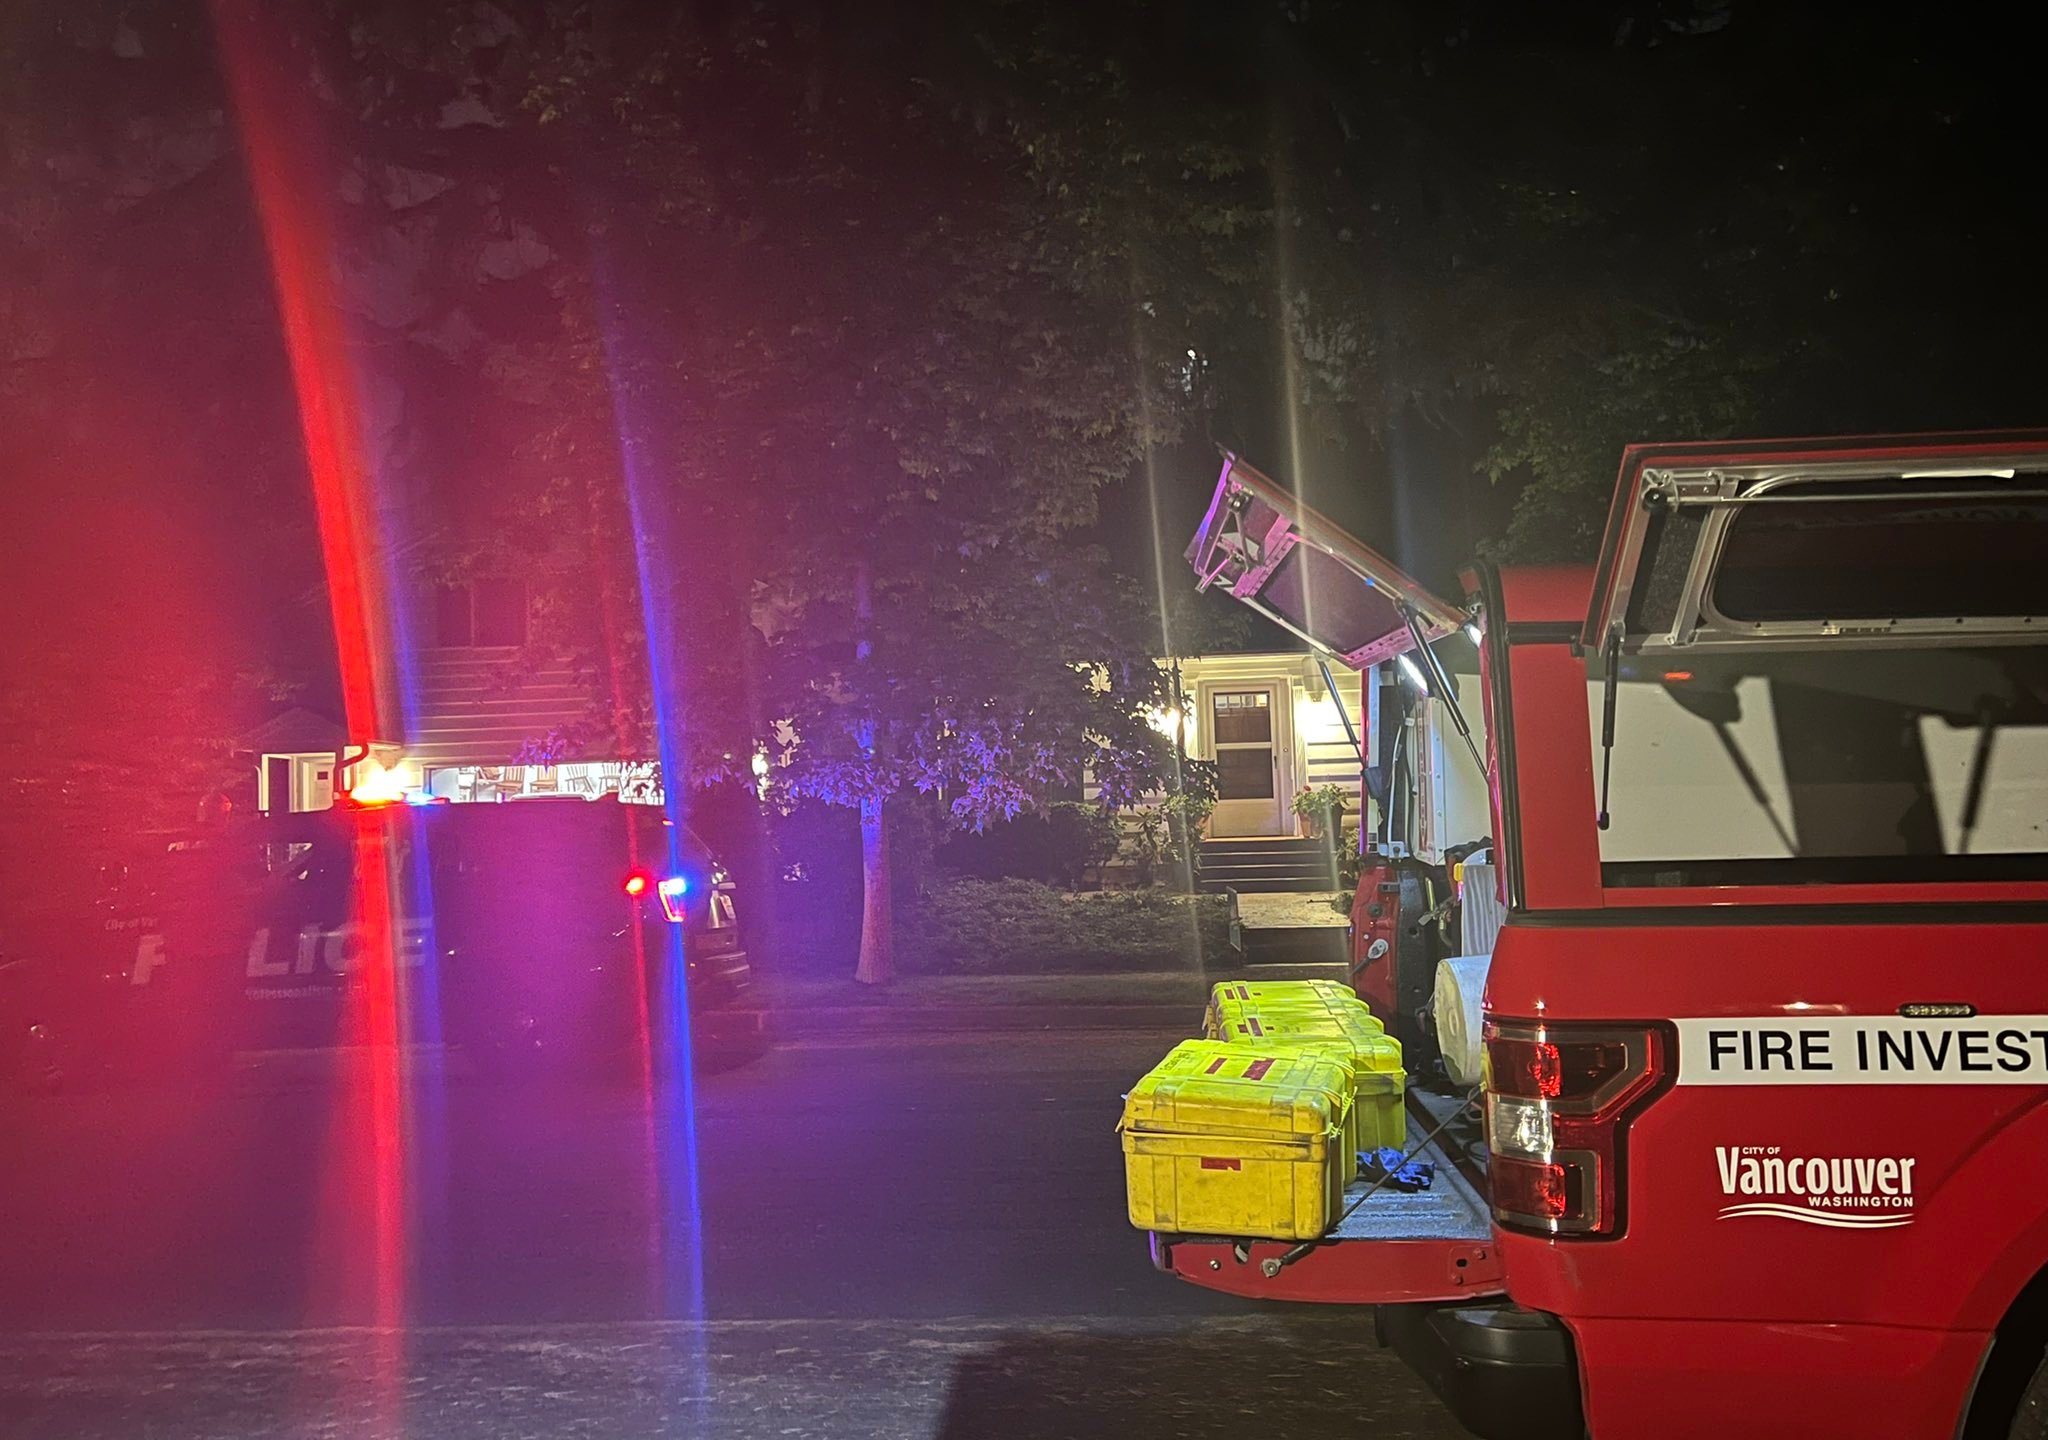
(1450, 1209)
(1393, 1247)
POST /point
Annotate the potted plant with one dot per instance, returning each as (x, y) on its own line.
(1319, 810)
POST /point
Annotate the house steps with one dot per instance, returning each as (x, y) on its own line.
(1267, 866)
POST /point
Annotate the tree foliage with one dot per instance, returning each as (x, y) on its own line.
(788, 350)
(1534, 235)
(861, 404)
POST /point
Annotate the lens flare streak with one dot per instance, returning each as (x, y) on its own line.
(357, 1268)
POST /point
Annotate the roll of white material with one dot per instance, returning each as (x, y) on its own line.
(1483, 912)
(1460, 985)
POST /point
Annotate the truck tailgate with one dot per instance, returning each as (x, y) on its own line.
(1393, 1247)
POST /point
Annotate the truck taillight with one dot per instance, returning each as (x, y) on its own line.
(1558, 1103)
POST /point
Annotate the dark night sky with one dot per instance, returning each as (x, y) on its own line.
(1503, 237)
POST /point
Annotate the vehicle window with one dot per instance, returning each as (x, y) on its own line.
(1885, 558)
(1851, 765)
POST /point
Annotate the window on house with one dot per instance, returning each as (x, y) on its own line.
(487, 612)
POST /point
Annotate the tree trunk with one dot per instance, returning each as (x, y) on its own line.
(1178, 838)
(877, 935)
(877, 932)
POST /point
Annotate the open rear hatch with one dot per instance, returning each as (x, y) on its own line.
(1305, 573)
(1300, 569)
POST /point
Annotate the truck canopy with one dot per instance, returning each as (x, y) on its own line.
(1881, 541)
(1805, 660)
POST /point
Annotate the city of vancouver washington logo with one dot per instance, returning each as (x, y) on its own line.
(1841, 1192)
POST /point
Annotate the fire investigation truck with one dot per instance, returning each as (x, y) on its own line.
(1764, 1150)
(533, 935)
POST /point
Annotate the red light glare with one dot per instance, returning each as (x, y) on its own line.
(1673, 676)
(638, 883)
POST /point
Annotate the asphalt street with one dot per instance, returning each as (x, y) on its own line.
(883, 1236)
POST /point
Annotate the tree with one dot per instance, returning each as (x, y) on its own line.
(997, 685)
(128, 681)
(851, 379)
(156, 550)
(1399, 245)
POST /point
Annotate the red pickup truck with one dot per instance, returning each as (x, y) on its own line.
(1766, 1028)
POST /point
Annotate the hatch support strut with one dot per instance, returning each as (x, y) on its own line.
(1440, 684)
(1350, 730)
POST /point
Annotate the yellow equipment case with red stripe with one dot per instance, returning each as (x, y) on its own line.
(1228, 998)
(1379, 1082)
(1225, 1139)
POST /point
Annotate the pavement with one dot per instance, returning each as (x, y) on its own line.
(862, 1232)
(972, 1004)
(1290, 910)
(1307, 1378)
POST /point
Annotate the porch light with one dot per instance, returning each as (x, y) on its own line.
(377, 784)
(1166, 722)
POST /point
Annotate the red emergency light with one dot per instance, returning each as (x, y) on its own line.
(671, 892)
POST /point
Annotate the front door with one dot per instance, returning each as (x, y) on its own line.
(1247, 725)
(277, 784)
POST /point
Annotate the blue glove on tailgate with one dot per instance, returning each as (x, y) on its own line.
(1415, 1175)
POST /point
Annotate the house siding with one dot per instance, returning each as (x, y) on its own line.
(483, 706)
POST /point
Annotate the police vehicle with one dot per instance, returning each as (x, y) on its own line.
(529, 933)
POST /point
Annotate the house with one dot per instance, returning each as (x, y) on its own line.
(1269, 722)
(1272, 727)
(304, 759)
(482, 719)
(488, 720)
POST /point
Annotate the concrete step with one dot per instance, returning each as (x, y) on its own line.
(1262, 868)
(1268, 884)
(1264, 948)
(1304, 884)
(1235, 873)
(1277, 845)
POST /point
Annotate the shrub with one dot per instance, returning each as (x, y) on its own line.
(1084, 838)
(996, 926)
(1064, 845)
